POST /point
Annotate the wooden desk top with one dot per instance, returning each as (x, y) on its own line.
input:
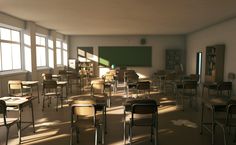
(14, 101)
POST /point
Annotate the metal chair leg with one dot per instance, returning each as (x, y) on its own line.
(7, 135)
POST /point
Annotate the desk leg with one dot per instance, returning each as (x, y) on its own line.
(38, 93)
(124, 132)
(213, 126)
(19, 131)
(202, 113)
(32, 111)
(202, 91)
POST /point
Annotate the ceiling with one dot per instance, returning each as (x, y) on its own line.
(121, 17)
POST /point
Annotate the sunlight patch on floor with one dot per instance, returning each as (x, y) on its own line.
(183, 122)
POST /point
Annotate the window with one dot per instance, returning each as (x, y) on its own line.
(50, 54)
(59, 57)
(27, 52)
(65, 54)
(62, 52)
(10, 51)
(41, 50)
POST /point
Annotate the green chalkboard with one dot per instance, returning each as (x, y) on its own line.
(125, 55)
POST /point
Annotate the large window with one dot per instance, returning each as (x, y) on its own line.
(41, 50)
(10, 52)
(50, 54)
(65, 53)
(62, 52)
(59, 56)
(27, 52)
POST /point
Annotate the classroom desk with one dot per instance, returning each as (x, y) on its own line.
(32, 84)
(214, 105)
(17, 104)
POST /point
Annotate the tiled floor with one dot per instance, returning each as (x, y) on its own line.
(176, 127)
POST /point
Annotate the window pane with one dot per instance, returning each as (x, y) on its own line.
(15, 35)
(50, 58)
(58, 44)
(38, 40)
(28, 65)
(5, 34)
(58, 56)
(16, 56)
(65, 58)
(41, 60)
(27, 40)
(65, 46)
(6, 56)
(43, 41)
(50, 43)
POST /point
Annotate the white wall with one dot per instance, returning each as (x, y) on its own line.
(159, 43)
(223, 33)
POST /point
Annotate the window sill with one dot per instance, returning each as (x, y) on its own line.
(13, 72)
(44, 68)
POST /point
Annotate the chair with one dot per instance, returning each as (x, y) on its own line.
(169, 82)
(110, 82)
(63, 74)
(4, 121)
(81, 112)
(144, 87)
(190, 91)
(230, 121)
(47, 76)
(50, 89)
(143, 108)
(131, 80)
(15, 88)
(223, 87)
(73, 79)
(98, 87)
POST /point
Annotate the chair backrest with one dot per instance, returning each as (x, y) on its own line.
(14, 86)
(112, 72)
(224, 86)
(97, 86)
(3, 110)
(109, 78)
(145, 106)
(47, 76)
(231, 112)
(171, 76)
(145, 85)
(83, 108)
(189, 84)
(194, 77)
(131, 77)
(49, 84)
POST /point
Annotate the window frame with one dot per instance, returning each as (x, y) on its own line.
(12, 42)
(40, 45)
